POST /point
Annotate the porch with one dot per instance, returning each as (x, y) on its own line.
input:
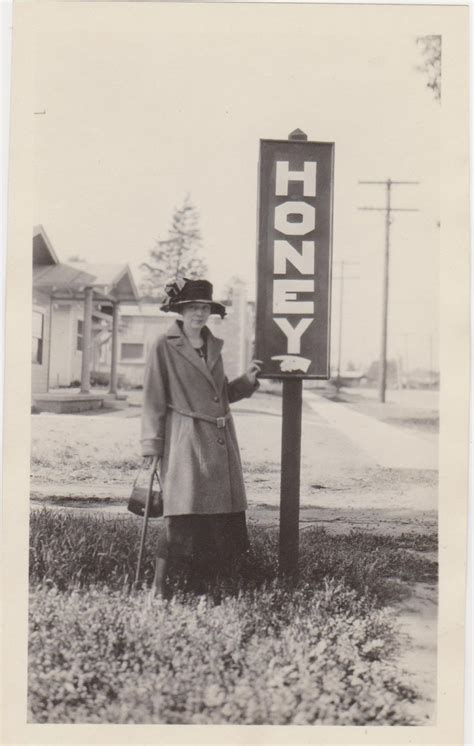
(83, 313)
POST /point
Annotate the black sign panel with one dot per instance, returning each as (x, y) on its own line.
(294, 258)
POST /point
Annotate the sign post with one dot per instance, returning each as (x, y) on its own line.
(290, 475)
(293, 296)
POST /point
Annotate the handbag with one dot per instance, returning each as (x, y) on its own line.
(141, 493)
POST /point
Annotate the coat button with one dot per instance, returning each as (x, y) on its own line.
(221, 441)
(216, 398)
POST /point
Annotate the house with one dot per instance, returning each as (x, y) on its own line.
(75, 317)
(140, 325)
(44, 258)
(88, 325)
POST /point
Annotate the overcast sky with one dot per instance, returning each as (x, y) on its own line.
(137, 118)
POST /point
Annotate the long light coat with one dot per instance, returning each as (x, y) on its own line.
(201, 470)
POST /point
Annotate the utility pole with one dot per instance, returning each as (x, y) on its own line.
(407, 363)
(431, 361)
(342, 277)
(388, 209)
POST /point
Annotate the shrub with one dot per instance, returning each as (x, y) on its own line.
(264, 657)
(102, 378)
(319, 653)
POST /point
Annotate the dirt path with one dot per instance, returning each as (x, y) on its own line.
(417, 620)
(341, 486)
(388, 445)
(336, 520)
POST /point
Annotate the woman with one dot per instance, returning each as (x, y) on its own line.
(187, 424)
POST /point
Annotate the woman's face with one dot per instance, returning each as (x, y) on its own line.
(195, 315)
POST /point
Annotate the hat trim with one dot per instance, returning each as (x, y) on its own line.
(212, 303)
(196, 300)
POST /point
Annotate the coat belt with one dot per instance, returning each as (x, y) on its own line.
(218, 421)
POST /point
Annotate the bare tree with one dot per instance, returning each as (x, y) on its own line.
(431, 52)
(176, 256)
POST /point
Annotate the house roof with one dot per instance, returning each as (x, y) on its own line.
(61, 277)
(43, 252)
(112, 282)
(105, 274)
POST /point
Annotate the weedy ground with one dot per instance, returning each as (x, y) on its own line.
(252, 649)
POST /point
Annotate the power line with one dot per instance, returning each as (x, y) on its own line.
(388, 209)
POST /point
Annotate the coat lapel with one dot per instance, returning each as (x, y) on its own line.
(182, 345)
(214, 348)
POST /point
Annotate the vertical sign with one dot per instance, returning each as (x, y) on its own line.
(294, 258)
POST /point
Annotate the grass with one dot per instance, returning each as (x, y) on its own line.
(429, 424)
(262, 468)
(87, 550)
(67, 466)
(398, 413)
(67, 449)
(254, 650)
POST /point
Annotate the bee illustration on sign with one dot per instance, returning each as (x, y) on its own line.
(291, 363)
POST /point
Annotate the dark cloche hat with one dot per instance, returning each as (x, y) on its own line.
(184, 291)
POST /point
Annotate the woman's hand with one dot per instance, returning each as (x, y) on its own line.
(253, 370)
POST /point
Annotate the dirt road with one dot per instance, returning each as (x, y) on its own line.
(342, 483)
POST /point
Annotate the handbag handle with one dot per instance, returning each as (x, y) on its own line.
(154, 471)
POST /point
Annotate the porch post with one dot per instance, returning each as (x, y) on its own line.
(86, 342)
(114, 355)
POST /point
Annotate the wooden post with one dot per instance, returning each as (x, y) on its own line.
(114, 355)
(86, 343)
(388, 209)
(290, 463)
(290, 475)
(339, 341)
(383, 343)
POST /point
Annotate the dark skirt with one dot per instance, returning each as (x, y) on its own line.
(214, 539)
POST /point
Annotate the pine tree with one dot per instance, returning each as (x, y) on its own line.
(176, 256)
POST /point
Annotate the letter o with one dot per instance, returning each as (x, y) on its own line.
(306, 224)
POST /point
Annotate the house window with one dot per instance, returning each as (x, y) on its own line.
(79, 336)
(132, 351)
(37, 338)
